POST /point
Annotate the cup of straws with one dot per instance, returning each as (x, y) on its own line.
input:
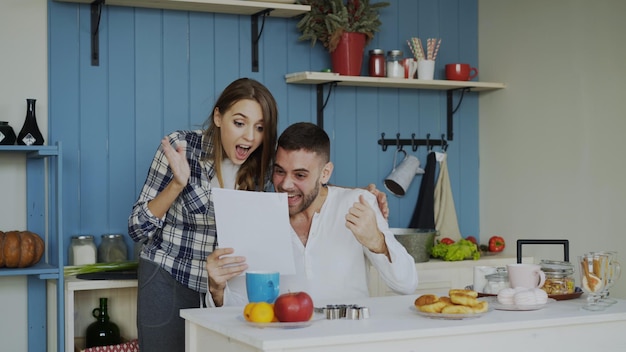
(425, 59)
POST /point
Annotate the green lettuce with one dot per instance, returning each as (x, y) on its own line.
(460, 250)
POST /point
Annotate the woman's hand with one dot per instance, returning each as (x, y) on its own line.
(221, 267)
(177, 160)
(381, 198)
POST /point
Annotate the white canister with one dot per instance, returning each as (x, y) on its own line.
(480, 273)
(82, 250)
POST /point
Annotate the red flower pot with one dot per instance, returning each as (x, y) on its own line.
(348, 56)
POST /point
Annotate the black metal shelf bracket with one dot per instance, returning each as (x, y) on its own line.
(96, 14)
(450, 110)
(414, 143)
(256, 36)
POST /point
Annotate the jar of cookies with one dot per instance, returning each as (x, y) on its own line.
(559, 277)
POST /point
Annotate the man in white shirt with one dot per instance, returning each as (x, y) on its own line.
(335, 228)
(336, 232)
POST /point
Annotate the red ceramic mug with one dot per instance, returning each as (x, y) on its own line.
(460, 72)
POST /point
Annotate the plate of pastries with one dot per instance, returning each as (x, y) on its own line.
(459, 304)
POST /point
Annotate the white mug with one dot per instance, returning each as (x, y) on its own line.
(401, 176)
(526, 275)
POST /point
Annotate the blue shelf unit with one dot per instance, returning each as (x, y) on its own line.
(44, 214)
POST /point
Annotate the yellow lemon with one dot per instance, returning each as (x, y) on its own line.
(261, 312)
(246, 311)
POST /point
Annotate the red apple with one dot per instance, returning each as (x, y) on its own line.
(293, 307)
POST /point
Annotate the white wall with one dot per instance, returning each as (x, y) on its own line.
(23, 74)
(551, 143)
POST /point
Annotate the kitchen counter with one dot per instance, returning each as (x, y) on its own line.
(395, 326)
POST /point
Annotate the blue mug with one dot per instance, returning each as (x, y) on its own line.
(262, 286)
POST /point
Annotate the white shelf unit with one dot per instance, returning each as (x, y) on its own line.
(43, 210)
(82, 296)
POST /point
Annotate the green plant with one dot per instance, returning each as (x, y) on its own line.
(329, 19)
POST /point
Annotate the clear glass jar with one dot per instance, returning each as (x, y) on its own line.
(112, 249)
(497, 281)
(377, 63)
(559, 277)
(395, 69)
(82, 250)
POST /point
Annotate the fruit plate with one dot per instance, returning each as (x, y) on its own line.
(279, 325)
(493, 302)
(443, 316)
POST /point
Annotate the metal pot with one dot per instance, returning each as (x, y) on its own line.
(418, 242)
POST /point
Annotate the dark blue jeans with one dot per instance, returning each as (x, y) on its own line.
(160, 298)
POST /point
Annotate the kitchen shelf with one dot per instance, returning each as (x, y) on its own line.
(384, 82)
(237, 7)
(320, 79)
(254, 9)
(43, 213)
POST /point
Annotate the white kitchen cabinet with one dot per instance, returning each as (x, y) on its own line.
(440, 276)
(82, 296)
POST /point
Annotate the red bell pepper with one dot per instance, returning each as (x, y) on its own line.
(446, 240)
(496, 244)
(472, 239)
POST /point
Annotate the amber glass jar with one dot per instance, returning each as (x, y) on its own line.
(377, 63)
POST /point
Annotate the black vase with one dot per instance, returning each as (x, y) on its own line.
(102, 332)
(7, 135)
(30, 134)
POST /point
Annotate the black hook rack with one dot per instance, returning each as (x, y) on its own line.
(414, 143)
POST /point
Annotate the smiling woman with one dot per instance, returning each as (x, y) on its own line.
(174, 215)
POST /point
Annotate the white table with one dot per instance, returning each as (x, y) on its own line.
(394, 326)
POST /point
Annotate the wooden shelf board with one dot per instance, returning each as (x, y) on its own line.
(238, 7)
(366, 81)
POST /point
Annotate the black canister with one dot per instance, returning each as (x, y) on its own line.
(7, 135)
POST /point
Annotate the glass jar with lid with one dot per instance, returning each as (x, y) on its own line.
(395, 69)
(559, 277)
(112, 249)
(82, 250)
(377, 63)
(497, 281)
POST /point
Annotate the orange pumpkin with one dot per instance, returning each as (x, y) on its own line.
(20, 249)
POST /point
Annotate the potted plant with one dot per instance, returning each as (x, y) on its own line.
(344, 28)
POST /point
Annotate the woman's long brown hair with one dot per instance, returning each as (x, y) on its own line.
(254, 172)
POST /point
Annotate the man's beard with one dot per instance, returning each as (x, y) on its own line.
(307, 199)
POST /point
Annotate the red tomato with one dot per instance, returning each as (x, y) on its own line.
(293, 307)
(496, 244)
(472, 239)
(446, 240)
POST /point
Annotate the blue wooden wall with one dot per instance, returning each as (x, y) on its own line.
(161, 70)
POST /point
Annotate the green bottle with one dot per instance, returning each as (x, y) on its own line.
(103, 332)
